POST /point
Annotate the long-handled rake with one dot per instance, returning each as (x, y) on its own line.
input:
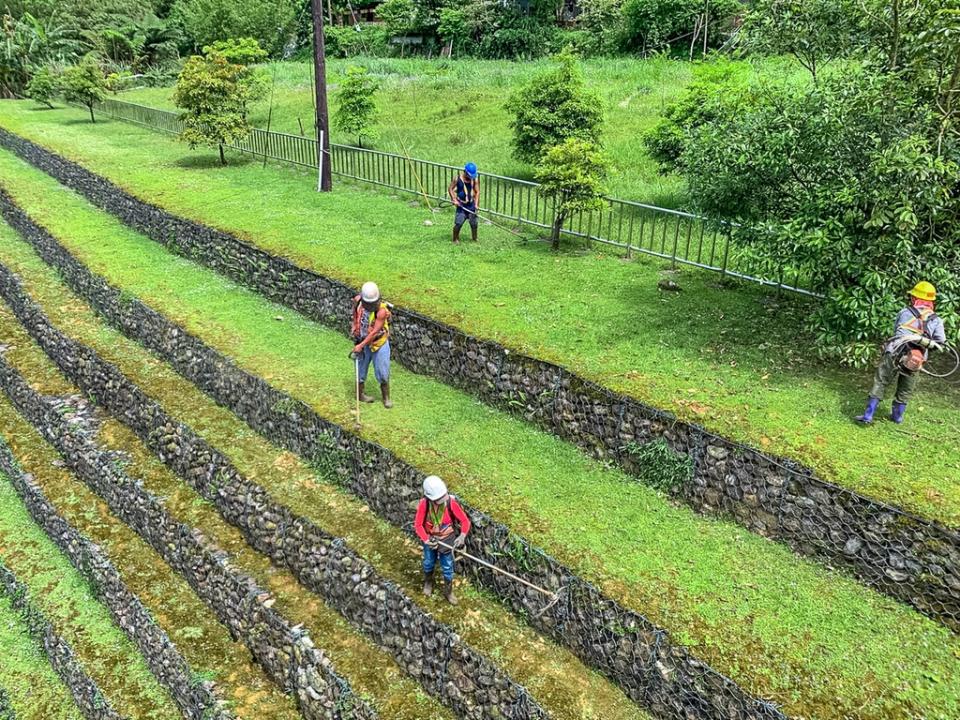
(555, 596)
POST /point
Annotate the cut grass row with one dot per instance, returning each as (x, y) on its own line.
(785, 629)
(204, 642)
(569, 690)
(732, 360)
(383, 682)
(34, 691)
(108, 656)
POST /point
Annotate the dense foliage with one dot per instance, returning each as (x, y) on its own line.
(271, 22)
(553, 106)
(356, 109)
(43, 87)
(850, 180)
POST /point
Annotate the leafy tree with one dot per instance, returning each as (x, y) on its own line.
(357, 108)
(271, 22)
(700, 104)
(815, 32)
(652, 25)
(213, 93)
(85, 84)
(241, 51)
(572, 175)
(553, 106)
(603, 19)
(400, 16)
(851, 183)
(43, 87)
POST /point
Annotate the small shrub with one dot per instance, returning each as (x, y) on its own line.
(659, 466)
(84, 84)
(43, 87)
(357, 109)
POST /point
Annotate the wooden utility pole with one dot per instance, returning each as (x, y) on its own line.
(320, 78)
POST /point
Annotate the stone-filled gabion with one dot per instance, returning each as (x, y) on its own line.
(194, 696)
(623, 644)
(64, 661)
(905, 556)
(431, 652)
(283, 649)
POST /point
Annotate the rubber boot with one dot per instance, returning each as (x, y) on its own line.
(428, 584)
(867, 416)
(385, 391)
(363, 396)
(898, 410)
(448, 592)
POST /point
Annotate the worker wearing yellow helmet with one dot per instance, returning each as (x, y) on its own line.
(917, 330)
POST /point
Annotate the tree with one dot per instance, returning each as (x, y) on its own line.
(241, 51)
(43, 87)
(554, 106)
(572, 175)
(815, 32)
(851, 183)
(85, 84)
(652, 25)
(357, 109)
(213, 93)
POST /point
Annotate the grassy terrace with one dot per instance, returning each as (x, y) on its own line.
(61, 593)
(382, 682)
(204, 642)
(35, 690)
(733, 360)
(556, 678)
(453, 112)
(781, 626)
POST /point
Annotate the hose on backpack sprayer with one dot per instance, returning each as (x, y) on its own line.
(897, 344)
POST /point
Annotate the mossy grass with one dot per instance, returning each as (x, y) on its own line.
(781, 626)
(34, 690)
(733, 359)
(107, 655)
(205, 643)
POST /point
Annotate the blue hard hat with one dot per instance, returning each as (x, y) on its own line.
(471, 169)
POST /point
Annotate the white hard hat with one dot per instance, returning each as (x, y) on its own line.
(369, 292)
(434, 488)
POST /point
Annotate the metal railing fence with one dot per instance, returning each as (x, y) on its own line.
(679, 237)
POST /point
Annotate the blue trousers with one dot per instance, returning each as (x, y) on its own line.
(380, 360)
(430, 560)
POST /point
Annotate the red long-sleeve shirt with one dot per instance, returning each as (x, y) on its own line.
(425, 528)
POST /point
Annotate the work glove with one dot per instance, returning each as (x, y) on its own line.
(934, 345)
(433, 543)
(925, 342)
(352, 355)
(460, 541)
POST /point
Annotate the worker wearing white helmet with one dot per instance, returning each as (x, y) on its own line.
(437, 514)
(371, 335)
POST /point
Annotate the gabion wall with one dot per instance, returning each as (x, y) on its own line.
(193, 695)
(623, 644)
(431, 652)
(284, 651)
(910, 558)
(93, 705)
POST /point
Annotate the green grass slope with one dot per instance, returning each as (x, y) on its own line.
(61, 593)
(453, 112)
(734, 360)
(782, 626)
(34, 689)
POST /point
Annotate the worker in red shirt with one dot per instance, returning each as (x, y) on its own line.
(434, 522)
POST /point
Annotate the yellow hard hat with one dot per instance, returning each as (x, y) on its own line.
(924, 291)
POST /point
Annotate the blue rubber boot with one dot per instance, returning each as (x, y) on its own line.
(898, 410)
(868, 414)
